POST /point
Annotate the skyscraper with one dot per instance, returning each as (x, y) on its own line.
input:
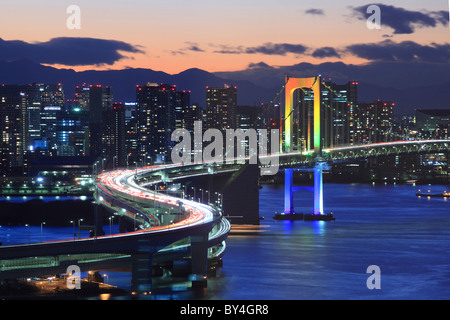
(191, 114)
(72, 132)
(82, 96)
(182, 104)
(33, 98)
(249, 117)
(52, 95)
(114, 134)
(156, 121)
(94, 98)
(221, 107)
(13, 128)
(373, 122)
(52, 105)
(131, 133)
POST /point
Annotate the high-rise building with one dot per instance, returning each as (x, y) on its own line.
(33, 110)
(221, 106)
(373, 122)
(114, 134)
(38, 104)
(72, 133)
(82, 96)
(33, 113)
(52, 100)
(13, 128)
(131, 133)
(249, 117)
(156, 121)
(52, 95)
(182, 104)
(49, 121)
(94, 98)
(192, 113)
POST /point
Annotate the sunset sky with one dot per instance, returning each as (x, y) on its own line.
(172, 36)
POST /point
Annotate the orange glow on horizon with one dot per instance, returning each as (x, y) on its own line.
(214, 63)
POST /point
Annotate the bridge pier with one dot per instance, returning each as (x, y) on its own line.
(288, 194)
(318, 212)
(141, 273)
(199, 260)
(318, 189)
(289, 189)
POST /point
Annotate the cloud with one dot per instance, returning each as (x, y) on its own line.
(258, 65)
(325, 52)
(406, 51)
(404, 21)
(315, 12)
(266, 49)
(191, 46)
(195, 48)
(441, 16)
(67, 51)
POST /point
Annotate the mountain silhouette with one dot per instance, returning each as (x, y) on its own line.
(254, 86)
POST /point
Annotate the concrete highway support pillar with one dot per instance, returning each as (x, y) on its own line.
(199, 262)
(98, 221)
(141, 273)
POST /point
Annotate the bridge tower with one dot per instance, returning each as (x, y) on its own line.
(314, 84)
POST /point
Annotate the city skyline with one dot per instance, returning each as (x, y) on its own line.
(40, 122)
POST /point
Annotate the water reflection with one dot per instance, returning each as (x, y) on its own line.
(384, 225)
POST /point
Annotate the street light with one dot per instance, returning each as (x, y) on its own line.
(209, 196)
(219, 199)
(27, 225)
(42, 223)
(73, 224)
(110, 225)
(79, 220)
(128, 156)
(194, 192)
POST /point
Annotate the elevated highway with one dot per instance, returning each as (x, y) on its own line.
(188, 230)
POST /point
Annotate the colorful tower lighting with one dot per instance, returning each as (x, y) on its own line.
(293, 84)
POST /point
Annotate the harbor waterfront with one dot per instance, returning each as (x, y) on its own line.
(386, 225)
